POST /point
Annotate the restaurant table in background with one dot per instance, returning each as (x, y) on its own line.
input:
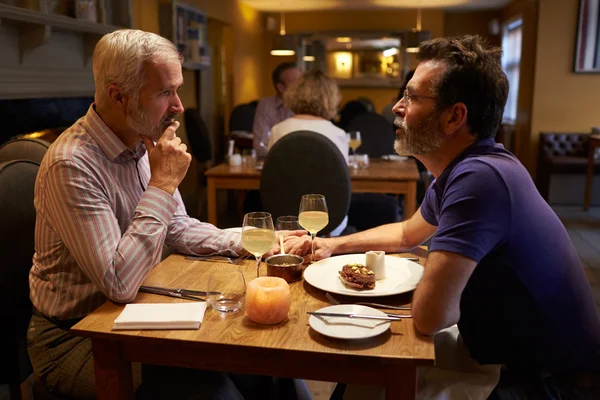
(594, 141)
(234, 343)
(381, 176)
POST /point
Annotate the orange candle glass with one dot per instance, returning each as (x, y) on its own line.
(268, 300)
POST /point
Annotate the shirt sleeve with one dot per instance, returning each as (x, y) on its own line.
(475, 211)
(260, 129)
(190, 236)
(115, 260)
(428, 205)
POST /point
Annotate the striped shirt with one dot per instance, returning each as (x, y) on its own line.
(269, 112)
(100, 229)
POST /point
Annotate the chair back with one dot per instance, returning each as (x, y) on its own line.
(198, 135)
(300, 163)
(24, 149)
(17, 229)
(376, 132)
(349, 111)
(242, 117)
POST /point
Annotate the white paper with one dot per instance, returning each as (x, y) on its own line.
(161, 316)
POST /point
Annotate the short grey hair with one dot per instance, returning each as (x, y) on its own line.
(119, 58)
(315, 94)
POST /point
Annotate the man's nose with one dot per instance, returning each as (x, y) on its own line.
(177, 106)
(399, 108)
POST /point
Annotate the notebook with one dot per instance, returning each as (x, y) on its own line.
(161, 316)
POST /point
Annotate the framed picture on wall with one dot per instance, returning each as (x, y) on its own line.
(587, 48)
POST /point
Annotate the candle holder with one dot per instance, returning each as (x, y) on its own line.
(268, 300)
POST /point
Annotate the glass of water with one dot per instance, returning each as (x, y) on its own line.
(226, 290)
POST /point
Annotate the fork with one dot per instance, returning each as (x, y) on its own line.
(335, 301)
(230, 260)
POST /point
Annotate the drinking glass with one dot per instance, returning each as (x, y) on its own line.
(288, 223)
(313, 216)
(226, 290)
(354, 142)
(258, 235)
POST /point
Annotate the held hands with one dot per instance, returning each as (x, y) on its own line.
(301, 247)
(169, 160)
(288, 237)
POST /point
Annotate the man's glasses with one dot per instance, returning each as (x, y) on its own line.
(408, 97)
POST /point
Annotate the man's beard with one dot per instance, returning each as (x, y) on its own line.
(139, 122)
(423, 138)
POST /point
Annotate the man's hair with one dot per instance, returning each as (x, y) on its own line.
(119, 59)
(314, 94)
(278, 71)
(473, 76)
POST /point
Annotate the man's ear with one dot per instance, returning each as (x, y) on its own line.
(455, 117)
(117, 98)
(280, 87)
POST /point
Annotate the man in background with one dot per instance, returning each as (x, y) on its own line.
(272, 110)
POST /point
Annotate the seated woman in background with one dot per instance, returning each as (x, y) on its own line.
(314, 99)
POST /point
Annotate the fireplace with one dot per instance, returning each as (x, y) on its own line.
(23, 116)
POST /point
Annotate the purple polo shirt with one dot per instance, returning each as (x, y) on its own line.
(528, 304)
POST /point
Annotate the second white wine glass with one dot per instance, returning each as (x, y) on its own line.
(258, 235)
(313, 216)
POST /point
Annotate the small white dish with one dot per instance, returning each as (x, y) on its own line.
(349, 328)
(236, 229)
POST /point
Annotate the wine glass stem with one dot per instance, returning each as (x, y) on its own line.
(258, 266)
(312, 246)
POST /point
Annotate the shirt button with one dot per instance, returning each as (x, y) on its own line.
(231, 243)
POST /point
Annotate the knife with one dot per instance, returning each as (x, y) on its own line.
(359, 316)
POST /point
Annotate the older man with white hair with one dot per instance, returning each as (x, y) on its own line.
(106, 199)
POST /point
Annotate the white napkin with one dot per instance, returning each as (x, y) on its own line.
(455, 375)
(161, 316)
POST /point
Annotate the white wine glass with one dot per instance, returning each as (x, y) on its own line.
(258, 235)
(313, 216)
(354, 141)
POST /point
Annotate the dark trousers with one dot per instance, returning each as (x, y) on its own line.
(545, 386)
(64, 364)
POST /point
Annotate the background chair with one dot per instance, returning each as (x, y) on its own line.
(349, 111)
(24, 149)
(376, 132)
(368, 210)
(242, 117)
(300, 163)
(17, 225)
(200, 146)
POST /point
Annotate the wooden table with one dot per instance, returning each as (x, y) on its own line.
(594, 142)
(234, 343)
(397, 177)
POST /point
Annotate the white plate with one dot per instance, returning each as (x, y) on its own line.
(236, 230)
(349, 328)
(401, 276)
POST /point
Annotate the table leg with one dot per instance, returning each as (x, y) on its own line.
(401, 382)
(211, 197)
(113, 373)
(590, 176)
(410, 200)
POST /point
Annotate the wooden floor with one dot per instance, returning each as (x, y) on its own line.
(584, 229)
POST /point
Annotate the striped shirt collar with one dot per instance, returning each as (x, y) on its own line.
(112, 147)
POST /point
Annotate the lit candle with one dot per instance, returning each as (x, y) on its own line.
(267, 300)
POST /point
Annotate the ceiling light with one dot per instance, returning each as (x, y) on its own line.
(283, 45)
(390, 52)
(413, 39)
(343, 40)
(308, 58)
